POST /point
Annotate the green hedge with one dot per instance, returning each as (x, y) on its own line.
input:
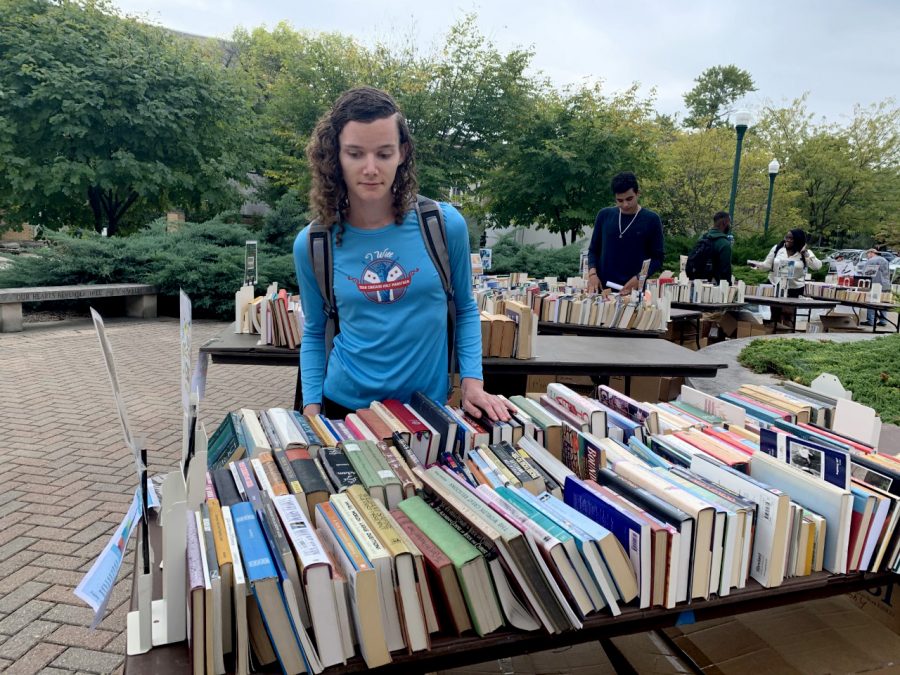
(206, 260)
(868, 368)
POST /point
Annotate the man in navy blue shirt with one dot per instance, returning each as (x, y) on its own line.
(624, 236)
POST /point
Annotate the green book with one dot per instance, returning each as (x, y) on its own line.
(359, 457)
(471, 568)
(393, 488)
(696, 412)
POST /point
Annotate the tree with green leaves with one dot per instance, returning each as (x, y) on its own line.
(709, 102)
(694, 181)
(554, 170)
(458, 100)
(101, 114)
(849, 174)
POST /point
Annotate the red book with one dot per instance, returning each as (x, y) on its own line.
(734, 440)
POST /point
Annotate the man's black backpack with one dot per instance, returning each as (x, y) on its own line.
(700, 259)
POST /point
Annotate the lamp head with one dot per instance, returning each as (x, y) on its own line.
(774, 166)
(742, 119)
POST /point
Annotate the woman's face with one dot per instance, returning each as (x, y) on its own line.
(789, 241)
(370, 153)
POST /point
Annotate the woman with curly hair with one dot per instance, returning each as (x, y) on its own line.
(391, 342)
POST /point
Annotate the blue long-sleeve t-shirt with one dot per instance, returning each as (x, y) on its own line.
(619, 258)
(392, 313)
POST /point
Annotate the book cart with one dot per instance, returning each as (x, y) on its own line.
(677, 316)
(454, 652)
(779, 305)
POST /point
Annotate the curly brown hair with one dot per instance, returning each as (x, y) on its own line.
(328, 193)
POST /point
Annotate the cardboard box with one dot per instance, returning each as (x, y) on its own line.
(670, 388)
(539, 382)
(584, 659)
(650, 654)
(831, 635)
(881, 604)
(840, 322)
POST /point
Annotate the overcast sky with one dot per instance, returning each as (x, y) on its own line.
(842, 53)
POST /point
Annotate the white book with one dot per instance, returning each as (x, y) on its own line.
(315, 570)
(253, 431)
(773, 510)
(832, 503)
(373, 549)
(287, 431)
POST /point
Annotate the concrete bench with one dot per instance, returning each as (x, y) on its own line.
(141, 300)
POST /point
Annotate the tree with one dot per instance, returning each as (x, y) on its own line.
(554, 172)
(458, 100)
(694, 181)
(709, 102)
(99, 113)
(849, 175)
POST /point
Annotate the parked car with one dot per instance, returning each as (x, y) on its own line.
(850, 255)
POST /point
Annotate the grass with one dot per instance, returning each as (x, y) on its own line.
(868, 368)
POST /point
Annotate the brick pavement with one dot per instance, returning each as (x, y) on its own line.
(68, 477)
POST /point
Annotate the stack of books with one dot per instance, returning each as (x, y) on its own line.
(324, 539)
(815, 289)
(702, 292)
(276, 316)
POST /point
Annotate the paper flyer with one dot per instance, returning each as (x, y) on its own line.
(186, 370)
(97, 585)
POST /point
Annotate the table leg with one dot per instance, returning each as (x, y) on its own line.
(697, 332)
(298, 393)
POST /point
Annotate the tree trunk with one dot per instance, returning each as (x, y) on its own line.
(562, 233)
(96, 207)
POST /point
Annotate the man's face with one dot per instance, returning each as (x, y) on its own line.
(627, 201)
(725, 225)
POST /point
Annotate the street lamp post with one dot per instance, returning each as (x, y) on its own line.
(773, 171)
(741, 122)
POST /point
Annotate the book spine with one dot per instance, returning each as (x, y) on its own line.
(502, 452)
(312, 438)
(276, 482)
(247, 482)
(339, 468)
(287, 471)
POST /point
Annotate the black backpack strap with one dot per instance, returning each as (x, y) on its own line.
(322, 260)
(434, 234)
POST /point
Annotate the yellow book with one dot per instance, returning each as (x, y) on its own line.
(495, 463)
(409, 599)
(226, 568)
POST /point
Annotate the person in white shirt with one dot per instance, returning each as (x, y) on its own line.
(783, 254)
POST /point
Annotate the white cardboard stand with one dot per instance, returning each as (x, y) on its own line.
(169, 613)
(139, 622)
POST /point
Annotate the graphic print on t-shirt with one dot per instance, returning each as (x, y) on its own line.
(383, 279)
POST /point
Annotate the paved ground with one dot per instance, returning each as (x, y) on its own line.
(68, 478)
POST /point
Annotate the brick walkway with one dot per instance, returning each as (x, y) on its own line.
(68, 478)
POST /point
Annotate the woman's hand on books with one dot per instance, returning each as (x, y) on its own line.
(477, 402)
(593, 283)
(312, 409)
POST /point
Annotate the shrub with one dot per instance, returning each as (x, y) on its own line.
(868, 368)
(511, 256)
(206, 260)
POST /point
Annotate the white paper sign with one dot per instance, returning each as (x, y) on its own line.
(186, 370)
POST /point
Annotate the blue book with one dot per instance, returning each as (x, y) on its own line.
(825, 462)
(618, 420)
(643, 452)
(615, 557)
(755, 411)
(808, 435)
(262, 574)
(632, 532)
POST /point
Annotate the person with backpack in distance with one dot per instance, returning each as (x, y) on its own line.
(791, 249)
(624, 236)
(710, 259)
(385, 276)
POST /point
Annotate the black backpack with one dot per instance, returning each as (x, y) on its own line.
(434, 235)
(700, 259)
